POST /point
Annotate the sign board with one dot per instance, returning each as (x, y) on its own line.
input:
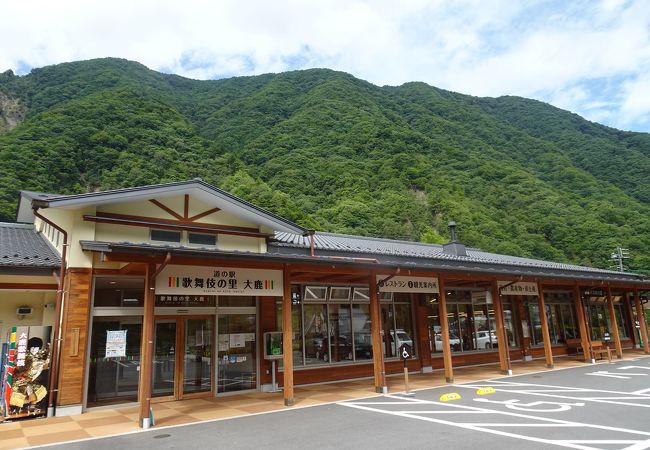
(200, 280)
(26, 380)
(237, 340)
(427, 285)
(185, 301)
(405, 352)
(115, 343)
(518, 288)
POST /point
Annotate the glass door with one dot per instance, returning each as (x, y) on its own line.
(237, 352)
(182, 362)
(164, 358)
(197, 361)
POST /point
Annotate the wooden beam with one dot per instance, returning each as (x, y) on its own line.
(614, 324)
(546, 336)
(640, 316)
(29, 286)
(502, 334)
(375, 329)
(203, 214)
(287, 338)
(186, 207)
(166, 209)
(146, 349)
(585, 335)
(132, 268)
(444, 331)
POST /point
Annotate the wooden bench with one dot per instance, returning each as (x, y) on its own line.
(597, 348)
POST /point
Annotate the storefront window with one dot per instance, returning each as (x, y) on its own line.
(336, 323)
(509, 320)
(535, 324)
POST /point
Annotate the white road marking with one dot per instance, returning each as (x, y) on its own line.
(642, 391)
(633, 367)
(514, 404)
(605, 391)
(541, 393)
(639, 445)
(604, 373)
(483, 427)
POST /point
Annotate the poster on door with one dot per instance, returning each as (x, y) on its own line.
(115, 343)
(26, 381)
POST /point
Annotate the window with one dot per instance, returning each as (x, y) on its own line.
(332, 325)
(202, 238)
(118, 292)
(166, 235)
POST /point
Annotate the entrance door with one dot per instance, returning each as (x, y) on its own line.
(182, 362)
(237, 355)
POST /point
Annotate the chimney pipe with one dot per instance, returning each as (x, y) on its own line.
(452, 231)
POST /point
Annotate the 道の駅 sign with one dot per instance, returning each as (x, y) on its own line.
(194, 280)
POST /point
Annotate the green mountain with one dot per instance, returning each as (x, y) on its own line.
(336, 153)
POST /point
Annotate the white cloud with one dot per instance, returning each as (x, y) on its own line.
(561, 52)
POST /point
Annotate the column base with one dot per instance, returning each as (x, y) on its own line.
(289, 402)
(506, 372)
(449, 379)
(550, 366)
(381, 389)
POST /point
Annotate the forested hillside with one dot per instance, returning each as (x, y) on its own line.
(336, 153)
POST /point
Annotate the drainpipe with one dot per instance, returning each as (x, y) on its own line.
(55, 352)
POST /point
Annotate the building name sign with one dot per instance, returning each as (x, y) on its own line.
(200, 280)
(518, 288)
(426, 285)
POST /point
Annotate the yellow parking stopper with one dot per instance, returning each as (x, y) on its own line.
(485, 391)
(450, 396)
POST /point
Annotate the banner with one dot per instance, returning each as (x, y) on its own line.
(197, 280)
(27, 374)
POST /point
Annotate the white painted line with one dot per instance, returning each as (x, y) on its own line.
(410, 411)
(639, 445)
(605, 391)
(633, 367)
(533, 425)
(608, 400)
(642, 391)
(604, 373)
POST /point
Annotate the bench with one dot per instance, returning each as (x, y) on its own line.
(597, 348)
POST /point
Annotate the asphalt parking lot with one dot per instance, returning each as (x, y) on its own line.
(602, 406)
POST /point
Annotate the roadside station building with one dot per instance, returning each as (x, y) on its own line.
(166, 292)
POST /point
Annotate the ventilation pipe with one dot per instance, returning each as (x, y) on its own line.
(454, 247)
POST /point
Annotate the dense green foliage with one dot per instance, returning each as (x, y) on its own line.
(335, 153)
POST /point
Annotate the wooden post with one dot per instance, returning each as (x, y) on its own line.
(287, 338)
(582, 324)
(502, 334)
(640, 316)
(612, 320)
(444, 331)
(146, 349)
(375, 329)
(546, 336)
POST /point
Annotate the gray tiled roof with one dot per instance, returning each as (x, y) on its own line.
(22, 246)
(363, 246)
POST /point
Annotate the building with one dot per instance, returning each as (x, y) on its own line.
(167, 291)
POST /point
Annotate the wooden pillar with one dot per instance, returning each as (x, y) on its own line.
(546, 336)
(287, 338)
(444, 331)
(640, 316)
(582, 324)
(422, 309)
(614, 324)
(629, 317)
(502, 334)
(146, 348)
(375, 329)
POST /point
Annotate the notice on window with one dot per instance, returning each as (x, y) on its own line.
(115, 343)
(237, 340)
(223, 342)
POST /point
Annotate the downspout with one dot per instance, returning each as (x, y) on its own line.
(55, 355)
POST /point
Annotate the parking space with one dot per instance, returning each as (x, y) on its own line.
(594, 406)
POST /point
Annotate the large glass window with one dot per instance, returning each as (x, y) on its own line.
(331, 324)
(560, 315)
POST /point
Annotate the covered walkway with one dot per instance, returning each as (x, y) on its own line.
(122, 420)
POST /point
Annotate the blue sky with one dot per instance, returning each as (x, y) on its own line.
(589, 57)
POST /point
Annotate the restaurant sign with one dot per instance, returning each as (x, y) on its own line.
(518, 288)
(427, 285)
(201, 280)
